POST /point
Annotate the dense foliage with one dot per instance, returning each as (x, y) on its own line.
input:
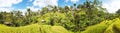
(76, 18)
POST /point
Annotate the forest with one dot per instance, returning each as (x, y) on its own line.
(89, 17)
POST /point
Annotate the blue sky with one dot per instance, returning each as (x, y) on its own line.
(28, 3)
(7, 5)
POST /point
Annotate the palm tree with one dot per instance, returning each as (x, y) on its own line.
(118, 12)
(74, 7)
(66, 8)
(28, 12)
(55, 8)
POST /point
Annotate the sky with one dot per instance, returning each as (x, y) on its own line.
(8, 5)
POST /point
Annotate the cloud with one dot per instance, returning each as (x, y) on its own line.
(66, 0)
(9, 3)
(30, 0)
(6, 5)
(43, 3)
(33, 8)
(73, 1)
(112, 6)
(5, 9)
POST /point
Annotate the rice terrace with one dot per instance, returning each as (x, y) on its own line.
(59, 16)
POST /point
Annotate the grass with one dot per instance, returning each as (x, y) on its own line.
(109, 26)
(33, 28)
(58, 29)
(95, 29)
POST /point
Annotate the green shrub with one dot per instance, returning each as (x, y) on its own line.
(52, 18)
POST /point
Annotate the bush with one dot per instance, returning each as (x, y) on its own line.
(52, 18)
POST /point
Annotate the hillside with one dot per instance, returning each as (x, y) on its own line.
(84, 16)
(108, 26)
(33, 28)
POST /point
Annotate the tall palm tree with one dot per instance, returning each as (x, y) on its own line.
(28, 12)
(74, 7)
(66, 8)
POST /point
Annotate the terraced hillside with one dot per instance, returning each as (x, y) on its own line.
(34, 28)
(109, 26)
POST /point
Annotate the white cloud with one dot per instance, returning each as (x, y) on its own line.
(66, 0)
(33, 8)
(112, 6)
(6, 9)
(43, 3)
(9, 3)
(74, 1)
(6, 5)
